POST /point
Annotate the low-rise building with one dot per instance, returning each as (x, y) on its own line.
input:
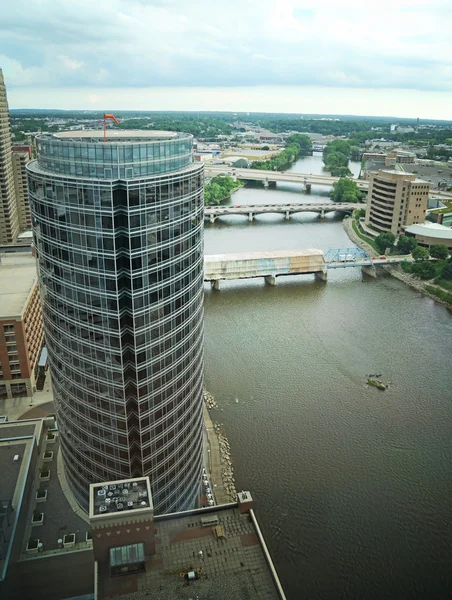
(395, 200)
(21, 331)
(430, 234)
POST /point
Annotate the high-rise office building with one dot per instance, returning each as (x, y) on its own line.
(395, 200)
(20, 160)
(9, 219)
(118, 229)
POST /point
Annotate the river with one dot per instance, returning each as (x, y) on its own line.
(352, 486)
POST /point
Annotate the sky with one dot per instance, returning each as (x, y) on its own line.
(389, 58)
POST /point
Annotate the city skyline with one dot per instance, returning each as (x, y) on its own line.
(293, 56)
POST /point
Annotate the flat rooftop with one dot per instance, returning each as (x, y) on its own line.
(433, 230)
(214, 258)
(119, 496)
(231, 568)
(117, 135)
(17, 277)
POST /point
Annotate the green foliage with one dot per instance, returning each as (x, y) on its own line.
(423, 270)
(406, 266)
(290, 153)
(439, 251)
(384, 240)
(346, 190)
(300, 140)
(406, 244)
(363, 237)
(442, 294)
(360, 213)
(340, 172)
(446, 273)
(336, 154)
(420, 253)
(219, 189)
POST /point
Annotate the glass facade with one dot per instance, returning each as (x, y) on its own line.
(121, 275)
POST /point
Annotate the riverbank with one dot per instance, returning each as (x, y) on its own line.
(394, 270)
(220, 463)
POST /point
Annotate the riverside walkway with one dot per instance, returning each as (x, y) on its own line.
(271, 265)
(212, 213)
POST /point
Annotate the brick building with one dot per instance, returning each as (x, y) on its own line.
(21, 332)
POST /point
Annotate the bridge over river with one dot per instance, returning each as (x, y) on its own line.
(272, 177)
(271, 265)
(212, 213)
(306, 180)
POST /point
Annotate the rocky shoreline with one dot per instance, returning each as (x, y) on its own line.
(394, 270)
(224, 448)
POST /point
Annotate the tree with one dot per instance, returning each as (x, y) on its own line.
(360, 213)
(406, 244)
(384, 240)
(346, 190)
(424, 270)
(420, 253)
(340, 171)
(446, 273)
(439, 251)
(303, 141)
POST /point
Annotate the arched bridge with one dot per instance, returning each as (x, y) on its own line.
(214, 212)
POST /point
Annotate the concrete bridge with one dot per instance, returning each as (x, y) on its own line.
(212, 213)
(272, 177)
(271, 265)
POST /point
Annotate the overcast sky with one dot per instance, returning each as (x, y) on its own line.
(390, 57)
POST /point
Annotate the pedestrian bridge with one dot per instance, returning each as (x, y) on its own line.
(212, 213)
(271, 265)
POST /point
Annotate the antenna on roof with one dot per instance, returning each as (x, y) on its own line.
(108, 116)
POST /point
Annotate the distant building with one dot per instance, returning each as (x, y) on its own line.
(395, 200)
(9, 218)
(21, 332)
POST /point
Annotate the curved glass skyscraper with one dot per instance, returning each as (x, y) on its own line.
(118, 230)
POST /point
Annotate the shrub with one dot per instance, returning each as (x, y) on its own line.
(439, 251)
(423, 270)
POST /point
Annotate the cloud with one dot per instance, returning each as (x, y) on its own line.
(157, 43)
(71, 63)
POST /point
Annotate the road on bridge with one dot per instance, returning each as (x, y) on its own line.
(275, 176)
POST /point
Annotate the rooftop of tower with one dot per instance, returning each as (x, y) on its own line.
(117, 135)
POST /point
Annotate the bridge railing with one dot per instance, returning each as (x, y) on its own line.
(347, 257)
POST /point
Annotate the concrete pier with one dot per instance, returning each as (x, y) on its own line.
(321, 275)
(270, 280)
(216, 284)
(371, 271)
(287, 215)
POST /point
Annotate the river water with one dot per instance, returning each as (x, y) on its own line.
(352, 486)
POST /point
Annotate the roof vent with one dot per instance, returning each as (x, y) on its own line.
(16, 457)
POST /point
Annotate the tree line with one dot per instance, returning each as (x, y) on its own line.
(296, 145)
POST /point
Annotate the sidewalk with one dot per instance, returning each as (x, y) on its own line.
(214, 466)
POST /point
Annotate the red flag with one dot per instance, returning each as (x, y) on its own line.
(108, 116)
